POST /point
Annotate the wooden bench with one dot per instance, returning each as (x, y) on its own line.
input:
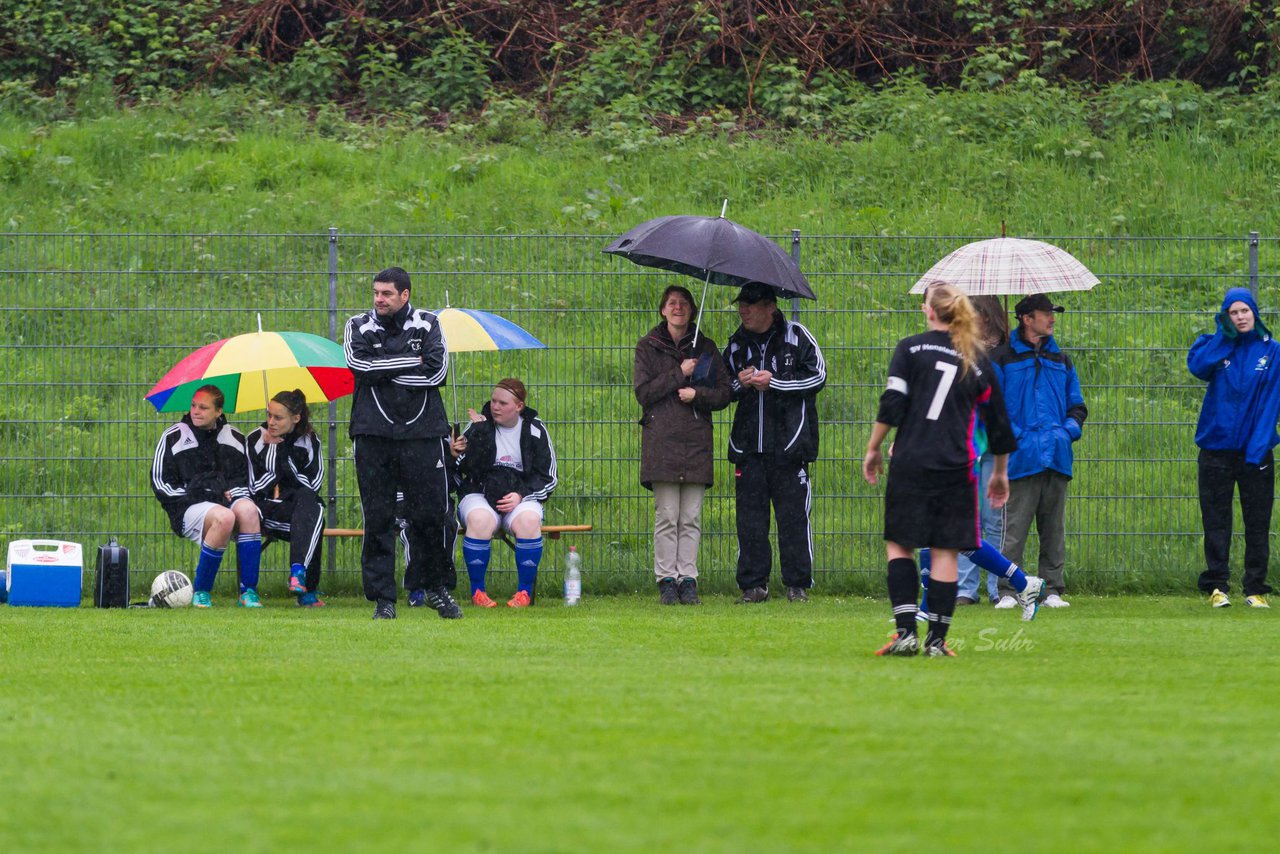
(552, 532)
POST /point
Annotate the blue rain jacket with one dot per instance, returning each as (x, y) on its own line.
(1046, 408)
(1242, 402)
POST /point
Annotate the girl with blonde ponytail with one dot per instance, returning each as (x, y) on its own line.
(939, 382)
(957, 314)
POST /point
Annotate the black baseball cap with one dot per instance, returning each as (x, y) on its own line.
(753, 292)
(1036, 302)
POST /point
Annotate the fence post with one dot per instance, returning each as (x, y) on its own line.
(331, 510)
(1253, 264)
(795, 256)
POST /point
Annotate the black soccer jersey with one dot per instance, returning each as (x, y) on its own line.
(935, 405)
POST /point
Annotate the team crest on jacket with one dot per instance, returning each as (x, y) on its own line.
(415, 345)
(1262, 364)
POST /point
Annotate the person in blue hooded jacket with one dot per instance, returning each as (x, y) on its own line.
(1235, 433)
(1046, 408)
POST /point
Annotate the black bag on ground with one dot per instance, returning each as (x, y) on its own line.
(111, 579)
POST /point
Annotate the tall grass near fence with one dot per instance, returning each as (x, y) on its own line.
(174, 227)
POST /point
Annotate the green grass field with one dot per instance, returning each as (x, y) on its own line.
(1121, 724)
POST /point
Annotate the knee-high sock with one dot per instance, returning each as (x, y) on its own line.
(207, 567)
(528, 556)
(989, 558)
(944, 606)
(903, 586)
(475, 553)
(249, 556)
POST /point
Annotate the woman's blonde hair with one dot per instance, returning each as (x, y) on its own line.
(954, 309)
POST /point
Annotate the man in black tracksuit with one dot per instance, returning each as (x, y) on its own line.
(400, 435)
(776, 371)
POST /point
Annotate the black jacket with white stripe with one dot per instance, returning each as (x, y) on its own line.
(538, 457)
(399, 365)
(193, 465)
(782, 420)
(292, 464)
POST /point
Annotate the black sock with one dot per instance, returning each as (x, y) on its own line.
(904, 590)
(942, 604)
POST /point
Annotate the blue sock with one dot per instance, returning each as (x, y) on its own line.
(926, 562)
(476, 555)
(249, 555)
(207, 567)
(528, 556)
(298, 569)
(989, 558)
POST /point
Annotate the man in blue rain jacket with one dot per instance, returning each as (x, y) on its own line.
(1047, 411)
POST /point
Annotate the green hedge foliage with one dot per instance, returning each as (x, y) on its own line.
(779, 61)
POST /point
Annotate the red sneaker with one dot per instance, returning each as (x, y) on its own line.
(902, 643)
(939, 649)
(520, 600)
(481, 600)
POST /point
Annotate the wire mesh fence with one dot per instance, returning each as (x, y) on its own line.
(91, 321)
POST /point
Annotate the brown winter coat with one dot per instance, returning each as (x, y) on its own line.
(675, 438)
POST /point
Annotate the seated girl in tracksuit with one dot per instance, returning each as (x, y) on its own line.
(507, 469)
(286, 468)
(200, 474)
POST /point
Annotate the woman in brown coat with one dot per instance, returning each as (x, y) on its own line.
(678, 384)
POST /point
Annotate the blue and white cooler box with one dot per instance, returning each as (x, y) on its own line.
(45, 572)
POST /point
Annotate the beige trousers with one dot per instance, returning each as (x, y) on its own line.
(677, 529)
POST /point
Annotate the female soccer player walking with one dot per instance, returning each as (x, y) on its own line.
(937, 382)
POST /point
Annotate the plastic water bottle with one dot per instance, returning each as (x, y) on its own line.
(572, 577)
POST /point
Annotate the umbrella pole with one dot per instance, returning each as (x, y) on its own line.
(453, 381)
(697, 326)
(265, 398)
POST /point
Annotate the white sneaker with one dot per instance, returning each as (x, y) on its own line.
(1030, 597)
(1053, 600)
(1006, 602)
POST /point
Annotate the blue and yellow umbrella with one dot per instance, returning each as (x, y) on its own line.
(466, 330)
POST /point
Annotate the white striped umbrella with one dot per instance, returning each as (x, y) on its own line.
(1009, 265)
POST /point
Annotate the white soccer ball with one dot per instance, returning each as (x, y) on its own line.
(171, 589)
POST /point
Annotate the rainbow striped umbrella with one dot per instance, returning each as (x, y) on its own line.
(250, 368)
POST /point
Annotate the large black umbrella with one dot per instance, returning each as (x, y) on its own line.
(713, 249)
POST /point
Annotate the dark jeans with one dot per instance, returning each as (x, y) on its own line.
(761, 480)
(1220, 473)
(416, 467)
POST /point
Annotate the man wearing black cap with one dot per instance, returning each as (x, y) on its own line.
(776, 371)
(1046, 408)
